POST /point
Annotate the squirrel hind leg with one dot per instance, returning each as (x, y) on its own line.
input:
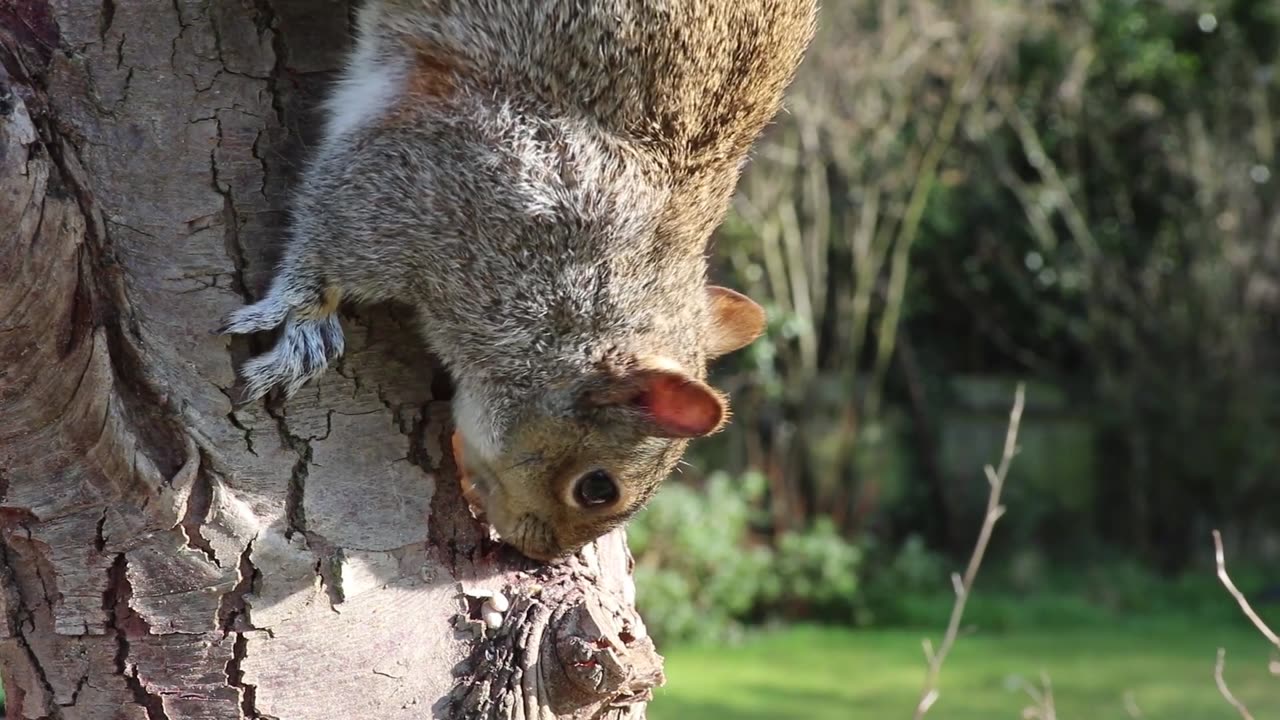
(303, 353)
(312, 303)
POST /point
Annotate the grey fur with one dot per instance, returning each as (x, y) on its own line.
(539, 180)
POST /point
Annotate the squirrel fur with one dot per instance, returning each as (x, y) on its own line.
(539, 180)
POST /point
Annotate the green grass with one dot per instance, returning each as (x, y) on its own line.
(813, 673)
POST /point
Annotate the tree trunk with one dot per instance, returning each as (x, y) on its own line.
(164, 556)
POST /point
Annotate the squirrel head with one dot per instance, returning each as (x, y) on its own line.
(583, 458)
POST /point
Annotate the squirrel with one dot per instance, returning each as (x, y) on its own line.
(539, 180)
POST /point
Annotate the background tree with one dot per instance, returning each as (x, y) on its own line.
(969, 193)
(166, 556)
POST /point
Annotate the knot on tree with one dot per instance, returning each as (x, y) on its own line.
(566, 648)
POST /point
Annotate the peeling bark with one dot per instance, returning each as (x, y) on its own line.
(164, 556)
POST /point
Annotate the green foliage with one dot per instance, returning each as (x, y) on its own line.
(914, 568)
(821, 673)
(701, 572)
(1103, 222)
(1144, 48)
(696, 578)
(1103, 235)
(817, 571)
(703, 575)
(898, 576)
(1102, 219)
(911, 588)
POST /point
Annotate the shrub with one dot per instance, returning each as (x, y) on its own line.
(696, 577)
(815, 574)
(702, 571)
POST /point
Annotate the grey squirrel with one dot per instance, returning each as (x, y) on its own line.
(539, 179)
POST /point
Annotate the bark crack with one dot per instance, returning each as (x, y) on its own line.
(329, 568)
(267, 21)
(105, 18)
(182, 29)
(39, 568)
(217, 46)
(235, 678)
(230, 219)
(248, 431)
(233, 613)
(99, 532)
(75, 694)
(21, 618)
(122, 621)
(196, 512)
(294, 508)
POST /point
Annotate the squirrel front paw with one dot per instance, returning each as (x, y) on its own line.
(312, 337)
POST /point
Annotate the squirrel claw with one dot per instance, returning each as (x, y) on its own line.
(263, 315)
(302, 353)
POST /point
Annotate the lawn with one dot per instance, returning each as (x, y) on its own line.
(813, 673)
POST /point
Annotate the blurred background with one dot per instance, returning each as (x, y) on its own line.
(962, 196)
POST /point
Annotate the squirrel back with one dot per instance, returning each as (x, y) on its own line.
(692, 81)
(698, 78)
(539, 178)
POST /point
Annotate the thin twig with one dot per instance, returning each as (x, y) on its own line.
(1220, 556)
(996, 477)
(1048, 710)
(1222, 685)
(1131, 706)
(969, 81)
(1042, 707)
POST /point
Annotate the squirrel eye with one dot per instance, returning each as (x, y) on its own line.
(595, 488)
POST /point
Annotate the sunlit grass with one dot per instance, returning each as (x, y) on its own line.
(815, 673)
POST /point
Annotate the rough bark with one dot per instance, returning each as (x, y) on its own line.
(166, 557)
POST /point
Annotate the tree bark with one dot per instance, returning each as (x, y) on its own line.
(165, 556)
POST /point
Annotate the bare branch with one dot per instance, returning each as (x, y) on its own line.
(1131, 706)
(1220, 555)
(1042, 707)
(1222, 683)
(969, 80)
(929, 694)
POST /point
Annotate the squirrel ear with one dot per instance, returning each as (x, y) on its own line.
(736, 320)
(679, 406)
(670, 402)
